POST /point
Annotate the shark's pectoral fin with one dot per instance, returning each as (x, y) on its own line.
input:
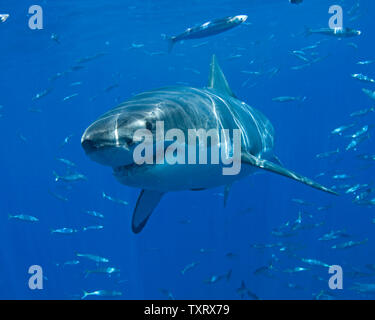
(146, 203)
(271, 157)
(273, 167)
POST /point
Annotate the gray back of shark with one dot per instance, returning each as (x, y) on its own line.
(110, 141)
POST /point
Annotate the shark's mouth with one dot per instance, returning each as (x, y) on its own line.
(125, 169)
(122, 169)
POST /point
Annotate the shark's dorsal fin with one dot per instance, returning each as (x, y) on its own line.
(217, 79)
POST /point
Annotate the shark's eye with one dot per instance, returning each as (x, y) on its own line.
(148, 125)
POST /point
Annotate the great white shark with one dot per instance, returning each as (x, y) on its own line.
(110, 141)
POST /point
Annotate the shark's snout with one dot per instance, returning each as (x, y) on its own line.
(107, 144)
(88, 145)
(97, 136)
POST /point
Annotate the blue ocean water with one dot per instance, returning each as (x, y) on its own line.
(187, 227)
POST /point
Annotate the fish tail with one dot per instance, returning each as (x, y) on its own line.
(307, 32)
(301, 100)
(57, 177)
(10, 216)
(85, 294)
(171, 43)
(243, 285)
(229, 274)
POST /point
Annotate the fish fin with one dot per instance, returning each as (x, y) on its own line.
(217, 79)
(307, 32)
(171, 43)
(226, 193)
(229, 274)
(242, 289)
(276, 160)
(146, 203)
(273, 167)
(252, 295)
(271, 157)
(243, 285)
(85, 294)
(57, 177)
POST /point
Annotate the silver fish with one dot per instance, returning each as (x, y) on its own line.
(92, 257)
(23, 217)
(101, 293)
(64, 231)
